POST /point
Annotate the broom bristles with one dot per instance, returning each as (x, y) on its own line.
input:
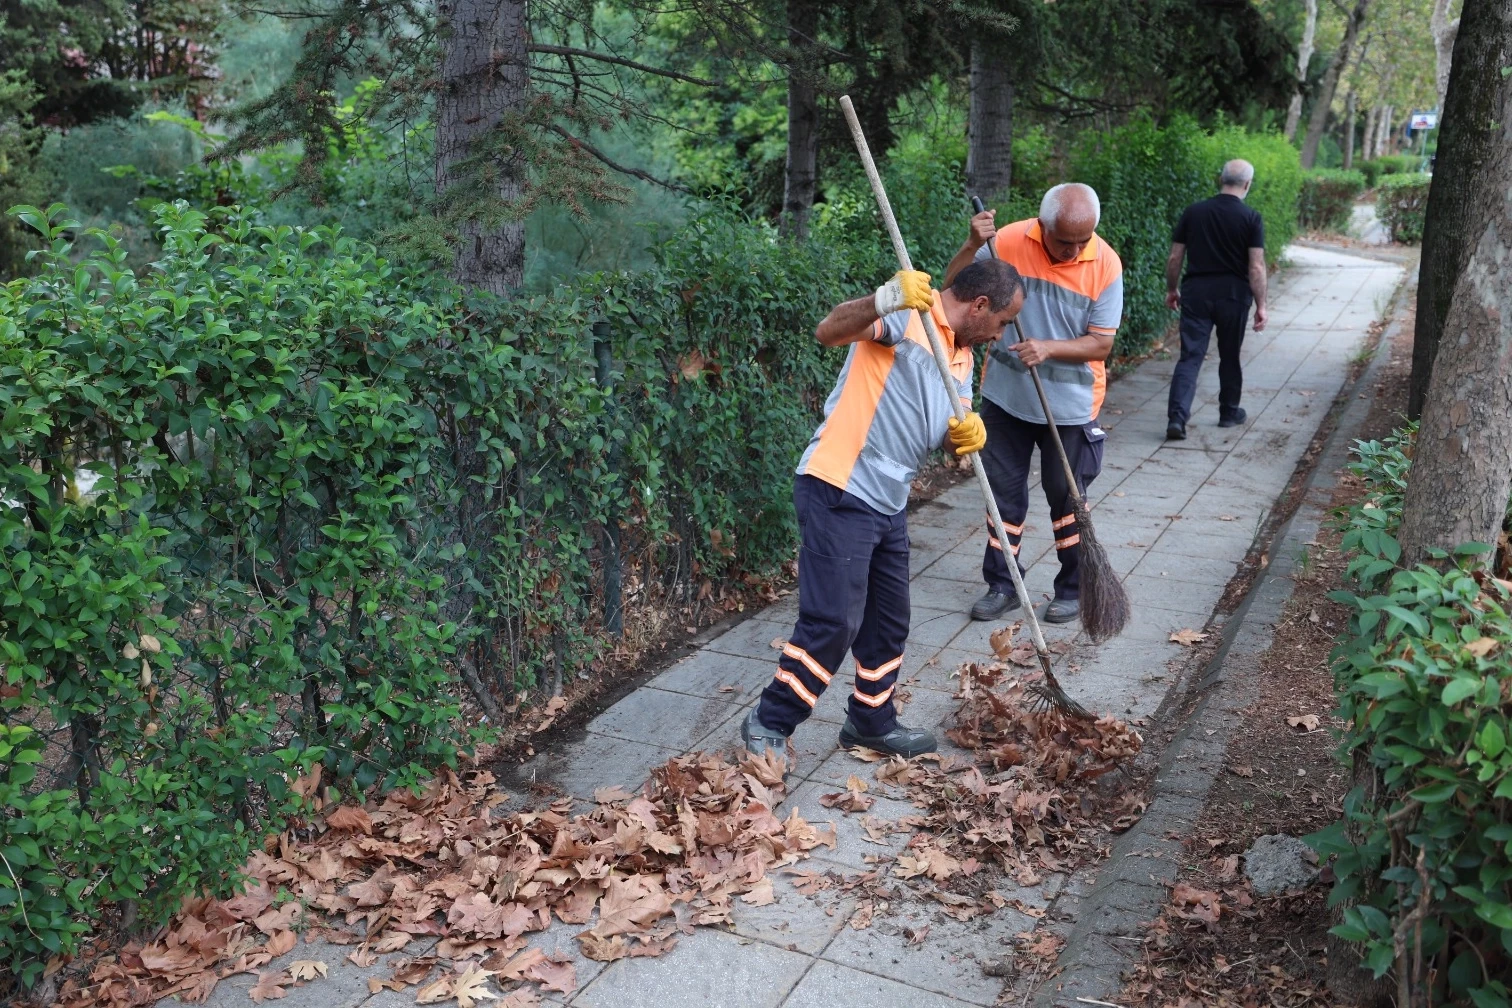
(1104, 603)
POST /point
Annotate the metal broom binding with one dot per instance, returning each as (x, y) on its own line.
(1104, 603)
(1049, 692)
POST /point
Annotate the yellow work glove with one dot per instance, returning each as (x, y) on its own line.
(967, 435)
(907, 289)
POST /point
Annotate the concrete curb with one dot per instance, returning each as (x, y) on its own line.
(1132, 885)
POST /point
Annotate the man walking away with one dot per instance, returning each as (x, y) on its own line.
(1074, 286)
(1223, 242)
(888, 411)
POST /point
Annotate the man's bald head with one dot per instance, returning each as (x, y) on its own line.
(1069, 214)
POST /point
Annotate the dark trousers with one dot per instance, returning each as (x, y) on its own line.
(1204, 307)
(852, 596)
(1010, 448)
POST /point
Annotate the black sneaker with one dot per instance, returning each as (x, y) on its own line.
(1062, 610)
(1234, 421)
(900, 741)
(993, 604)
(1176, 431)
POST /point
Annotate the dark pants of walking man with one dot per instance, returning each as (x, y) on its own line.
(852, 596)
(1222, 304)
(1010, 448)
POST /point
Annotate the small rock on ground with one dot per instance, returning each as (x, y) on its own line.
(1277, 863)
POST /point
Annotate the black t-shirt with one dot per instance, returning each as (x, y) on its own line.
(1218, 234)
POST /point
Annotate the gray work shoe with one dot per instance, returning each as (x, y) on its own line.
(993, 604)
(900, 741)
(1062, 610)
(759, 740)
(1175, 431)
(1234, 421)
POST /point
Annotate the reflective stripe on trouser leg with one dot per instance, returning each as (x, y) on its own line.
(878, 648)
(1086, 461)
(1010, 446)
(839, 532)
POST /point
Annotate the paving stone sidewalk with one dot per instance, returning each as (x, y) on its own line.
(1176, 519)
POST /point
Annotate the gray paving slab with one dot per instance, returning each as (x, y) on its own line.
(717, 676)
(593, 761)
(796, 922)
(852, 848)
(830, 984)
(663, 718)
(753, 638)
(1207, 570)
(709, 967)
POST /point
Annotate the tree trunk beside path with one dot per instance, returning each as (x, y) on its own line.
(1462, 467)
(485, 84)
(1336, 67)
(1464, 194)
(801, 178)
(1304, 57)
(1444, 32)
(989, 153)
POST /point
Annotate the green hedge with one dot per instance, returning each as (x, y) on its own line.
(1146, 175)
(1423, 679)
(1327, 199)
(1401, 203)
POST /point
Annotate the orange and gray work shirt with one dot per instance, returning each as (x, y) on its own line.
(888, 410)
(1063, 301)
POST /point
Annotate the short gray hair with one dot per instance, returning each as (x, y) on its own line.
(1055, 199)
(1237, 172)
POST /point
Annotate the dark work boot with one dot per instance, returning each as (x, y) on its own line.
(759, 740)
(1062, 610)
(1238, 417)
(900, 741)
(1175, 431)
(993, 604)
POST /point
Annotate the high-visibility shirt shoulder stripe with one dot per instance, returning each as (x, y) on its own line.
(1063, 301)
(888, 409)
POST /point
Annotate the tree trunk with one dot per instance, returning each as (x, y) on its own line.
(989, 127)
(1304, 57)
(480, 168)
(801, 176)
(1349, 130)
(1464, 195)
(1385, 126)
(1323, 101)
(1462, 468)
(1367, 135)
(1444, 32)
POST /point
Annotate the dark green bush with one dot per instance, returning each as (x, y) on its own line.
(1146, 175)
(1401, 203)
(1327, 199)
(1422, 674)
(1401, 164)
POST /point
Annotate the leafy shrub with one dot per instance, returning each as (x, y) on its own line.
(1146, 175)
(1401, 202)
(1327, 199)
(1371, 170)
(1401, 164)
(1423, 856)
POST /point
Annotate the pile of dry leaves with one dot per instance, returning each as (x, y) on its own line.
(643, 868)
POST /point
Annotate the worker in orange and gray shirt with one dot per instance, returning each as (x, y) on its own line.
(888, 411)
(1074, 286)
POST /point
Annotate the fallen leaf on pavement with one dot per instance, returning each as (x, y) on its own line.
(1228, 518)
(1188, 637)
(559, 975)
(269, 986)
(280, 943)
(350, 817)
(307, 969)
(1307, 722)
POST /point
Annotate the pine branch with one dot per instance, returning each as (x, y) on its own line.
(607, 58)
(588, 148)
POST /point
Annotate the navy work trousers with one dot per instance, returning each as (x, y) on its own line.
(852, 596)
(1207, 304)
(1010, 448)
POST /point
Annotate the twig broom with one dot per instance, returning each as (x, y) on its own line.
(1104, 603)
(1050, 691)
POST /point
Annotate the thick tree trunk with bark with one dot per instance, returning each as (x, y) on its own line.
(1462, 468)
(1349, 130)
(1367, 135)
(1336, 66)
(801, 177)
(1444, 31)
(989, 127)
(1464, 195)
(485, 84)
(1304, 57)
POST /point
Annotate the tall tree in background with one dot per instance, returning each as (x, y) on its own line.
(1464, 195)
(1461, 472)
(989, 123)
(801, 174)
(1304, 58)
(1323, 100)
(1444, 30)
(480, 151)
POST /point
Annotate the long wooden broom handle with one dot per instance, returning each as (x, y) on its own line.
(884, 206)
(1039, 386)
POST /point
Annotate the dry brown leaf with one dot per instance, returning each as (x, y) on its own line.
(350, 817)
(1001, 640)
(435, 992)
(472, 987)
(1307, 722)
(760, 894)
(1482, 646)
(270, 986)
(1227, 517)
(522, 998)
(1192, 903)
(362, 957)
(1243, 771)
(280, 942)
(554, 974)
(307, 969)
(1188, 637)
(862, 918)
